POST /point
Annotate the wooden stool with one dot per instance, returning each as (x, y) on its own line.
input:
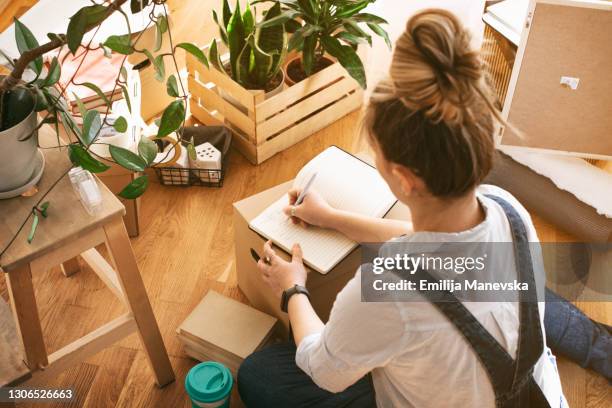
(70, 231)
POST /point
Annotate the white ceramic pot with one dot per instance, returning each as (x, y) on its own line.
(18, 157)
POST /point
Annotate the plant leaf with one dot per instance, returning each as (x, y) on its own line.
(378, 30)
(80, 105)
(43, 208)
(26, 41)
(120, 124)
(236, 38)
(227, 13)
(353, 28)
(369, 18)
(136, 188)
(97, 90)
(83, 19)
(54, 73)
(195, 51)
(120, 44)
(172, 87)
(92, 123)
(222, 31)
(248, 20)
(126, 96)
(161, 26)
(80, 157)
(147, 149)
(160, 68)
(214, 57)
(126, 158)
(347, 57)
(172, 118)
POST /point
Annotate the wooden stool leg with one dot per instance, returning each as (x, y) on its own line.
(23, 302)
(71, 266)
(138, 301)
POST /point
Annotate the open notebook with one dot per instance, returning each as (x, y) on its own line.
(347, 183)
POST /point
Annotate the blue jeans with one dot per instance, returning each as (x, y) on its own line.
(571, 334)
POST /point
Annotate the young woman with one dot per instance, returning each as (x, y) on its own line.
(430, 127)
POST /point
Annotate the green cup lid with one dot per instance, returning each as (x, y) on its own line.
(209, 382)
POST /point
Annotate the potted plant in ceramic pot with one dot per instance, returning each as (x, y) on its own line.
(324, 28)
(29, 91)
(256, 52)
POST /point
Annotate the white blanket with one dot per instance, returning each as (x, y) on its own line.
(588, 183)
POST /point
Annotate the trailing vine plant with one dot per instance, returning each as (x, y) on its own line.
(52, 101)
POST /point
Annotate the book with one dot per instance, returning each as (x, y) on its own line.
(347, 183)
(225, 329)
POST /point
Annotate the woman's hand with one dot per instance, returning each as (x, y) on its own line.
(314, 210)
(280, 274)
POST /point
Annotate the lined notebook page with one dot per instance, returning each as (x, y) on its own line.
(346, 183)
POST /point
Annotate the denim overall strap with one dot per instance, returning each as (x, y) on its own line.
(530, 342)
(512, 380)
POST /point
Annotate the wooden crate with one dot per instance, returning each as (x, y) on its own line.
(263, 127)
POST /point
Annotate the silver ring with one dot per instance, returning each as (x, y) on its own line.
(293, 211)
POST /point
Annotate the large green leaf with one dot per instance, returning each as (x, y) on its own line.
(213, 55)
(92, 123)
(236, 38)
(353, 28)
(136, 188)
(160, 68)
(272, 41)
(147, 150)
(97, 90)
(227, 13)
(81, 157)
(120, 44)
(126, 158)
(126, 96)
(195, 51)
(222, 31)
(81, 21)
(261, 73)
(172, 118)
(80, 105)
(243, 66)
(248, 20)
(26, 41)
(351, 8)
(161, 26)
(54, 73)
(347, 57)
(381, 32)
(172, 87)
(369, 18)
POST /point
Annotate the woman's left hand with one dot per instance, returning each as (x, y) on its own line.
(280, 274)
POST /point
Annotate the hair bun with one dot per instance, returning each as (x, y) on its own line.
(434, 70)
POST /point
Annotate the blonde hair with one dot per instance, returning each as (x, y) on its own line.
(435, 114)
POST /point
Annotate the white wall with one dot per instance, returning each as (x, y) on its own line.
(397, 13)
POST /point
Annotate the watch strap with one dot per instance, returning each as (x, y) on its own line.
(290, 292)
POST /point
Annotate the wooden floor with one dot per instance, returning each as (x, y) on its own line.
(185, 249)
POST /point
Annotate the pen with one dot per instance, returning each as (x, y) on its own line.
(303, 193)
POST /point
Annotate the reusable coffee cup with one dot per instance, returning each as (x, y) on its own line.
(209, 384)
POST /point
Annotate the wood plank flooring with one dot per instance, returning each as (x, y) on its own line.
(185, 249)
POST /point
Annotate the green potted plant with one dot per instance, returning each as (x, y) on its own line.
(326, 27)
(256, 52)
(23, 101)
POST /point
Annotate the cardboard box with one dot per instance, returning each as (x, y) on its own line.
(323, 288)
(116, 178)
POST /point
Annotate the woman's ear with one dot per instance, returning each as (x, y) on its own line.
(407, 181)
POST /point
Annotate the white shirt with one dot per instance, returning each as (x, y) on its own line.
(415, 354)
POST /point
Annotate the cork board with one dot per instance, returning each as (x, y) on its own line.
(564, 39)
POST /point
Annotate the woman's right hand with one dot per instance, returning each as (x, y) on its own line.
(313, 210)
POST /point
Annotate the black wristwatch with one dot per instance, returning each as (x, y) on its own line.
(290, 292)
